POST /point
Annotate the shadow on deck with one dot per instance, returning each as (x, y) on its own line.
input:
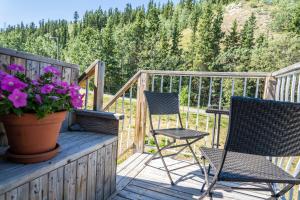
(137, 181)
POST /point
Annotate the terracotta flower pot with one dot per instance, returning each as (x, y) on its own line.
(28, 135)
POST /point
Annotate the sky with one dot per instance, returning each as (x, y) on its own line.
(14, 11)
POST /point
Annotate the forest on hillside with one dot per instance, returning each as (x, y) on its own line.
(189, 35)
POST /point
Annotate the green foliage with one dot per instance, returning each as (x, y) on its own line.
(183, 36)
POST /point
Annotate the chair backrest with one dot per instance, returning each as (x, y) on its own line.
(162, 103)
(264, 127)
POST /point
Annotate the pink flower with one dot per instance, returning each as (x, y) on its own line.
(46, 89)
(17, 68)
(35, 82)
(52, 70)
(55, 98)
(2, 74)
(18, 98)
(77, 101)
(9, 83)
(38, 98)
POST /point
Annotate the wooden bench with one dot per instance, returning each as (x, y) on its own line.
(85, 167)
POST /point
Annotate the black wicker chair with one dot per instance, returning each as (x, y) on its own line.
(168, 104)
(258, 129)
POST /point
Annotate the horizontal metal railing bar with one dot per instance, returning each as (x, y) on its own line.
(209, 74)
(287, 70)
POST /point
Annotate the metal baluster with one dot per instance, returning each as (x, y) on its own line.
(287, 88)
(232, 87)
(179, 91)
(282, 88)
(208, 104)
(170, 90)
(198, 107)
(86, 93)
(161, 90)
(298, 89)
(189, 100)
(152, 85)
(245, 87)
(257, 86)
(130, 117)
(278, 85)
(123, 110)
(116, 105)
(293, 88)
(221, 94)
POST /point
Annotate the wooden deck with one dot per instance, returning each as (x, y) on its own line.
(137, 181)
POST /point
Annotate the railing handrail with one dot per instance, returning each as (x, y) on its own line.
(287, 70)
(208, 74)
(90, 71)
(126, 86)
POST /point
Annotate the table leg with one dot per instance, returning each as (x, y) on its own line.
(214, 131)
(219, 129)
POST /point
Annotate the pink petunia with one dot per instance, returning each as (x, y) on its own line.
(9, 83)
(52, 70)
(18, 98)
(46, 89)
(77, 101)
(38, 99)
(2, 74)
(17, 68)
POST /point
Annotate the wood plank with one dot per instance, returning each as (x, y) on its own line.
(150, 193)
(91, 176)
(74, 75)
(107, 171)
(18, 61)
(81, 178)
(114, 166)
(12, 195)
(99, 86)
(23, 192)
(141, 113)
(56, 184)
(78, 149)
(127, 162)
(70, 181)
(116, 198)
(32, 69)
(66, 74)
(133, 196)
(132, 174)
(39, 188)
(4, 62)
(208, 74)
(42, 67)
(100, 173)
(164, 190)
(29, 56)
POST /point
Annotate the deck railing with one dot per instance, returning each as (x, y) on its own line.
(198, 91)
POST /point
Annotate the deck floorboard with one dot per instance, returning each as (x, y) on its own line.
(137, 181)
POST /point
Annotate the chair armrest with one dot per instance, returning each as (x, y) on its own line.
(95, 121)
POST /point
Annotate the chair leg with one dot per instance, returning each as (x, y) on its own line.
(208, 192)
(162, 159)
(195, 157)
(281, 192)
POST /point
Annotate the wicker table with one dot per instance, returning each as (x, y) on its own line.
(218, 112)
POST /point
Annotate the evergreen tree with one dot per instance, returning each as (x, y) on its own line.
(232, 39)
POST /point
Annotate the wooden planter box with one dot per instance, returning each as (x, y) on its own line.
(85, 167)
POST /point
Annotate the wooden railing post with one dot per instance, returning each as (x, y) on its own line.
(99, 86)
(270, 88)
(141, 113)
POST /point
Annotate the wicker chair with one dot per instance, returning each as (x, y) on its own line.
(168, 104)
(258, 129)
